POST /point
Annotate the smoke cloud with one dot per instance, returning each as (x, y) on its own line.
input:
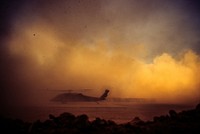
(145, 49)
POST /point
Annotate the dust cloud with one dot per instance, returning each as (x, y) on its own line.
(131, 47)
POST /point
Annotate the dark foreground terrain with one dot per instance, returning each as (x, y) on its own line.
(185, 122)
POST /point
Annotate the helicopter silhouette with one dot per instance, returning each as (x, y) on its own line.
(78, 97)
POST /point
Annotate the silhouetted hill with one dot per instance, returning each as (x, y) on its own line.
(185, 122)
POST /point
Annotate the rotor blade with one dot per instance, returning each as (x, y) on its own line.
(70, 90)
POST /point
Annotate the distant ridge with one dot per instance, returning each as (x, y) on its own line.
(142, 100)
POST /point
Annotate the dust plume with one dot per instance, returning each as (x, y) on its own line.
(137, 49)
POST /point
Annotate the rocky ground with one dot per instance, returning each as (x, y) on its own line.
(185, 122)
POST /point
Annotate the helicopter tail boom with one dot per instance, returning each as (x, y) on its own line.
(104, 95)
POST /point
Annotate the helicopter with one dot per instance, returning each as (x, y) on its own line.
(78, 97)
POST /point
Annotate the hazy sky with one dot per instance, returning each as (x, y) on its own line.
(136, 48)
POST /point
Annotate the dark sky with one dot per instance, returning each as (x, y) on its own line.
(177, 16)
(126, 45)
